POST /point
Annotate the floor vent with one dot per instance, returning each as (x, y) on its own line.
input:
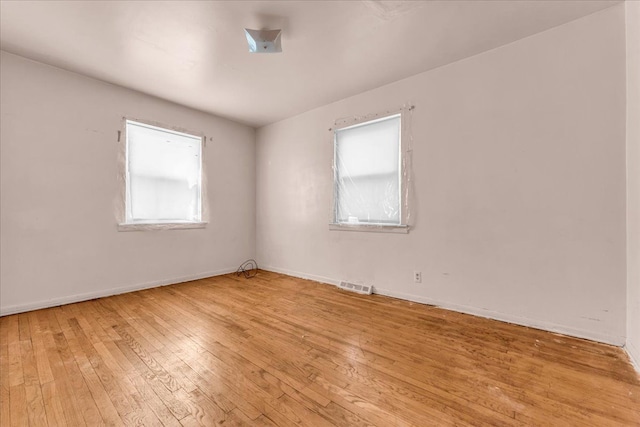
(361, 289)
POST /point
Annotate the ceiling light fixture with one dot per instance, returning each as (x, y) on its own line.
(263, 41)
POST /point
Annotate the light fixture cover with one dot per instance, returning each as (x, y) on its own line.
(263, 41)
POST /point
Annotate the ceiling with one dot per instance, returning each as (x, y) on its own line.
(195, 53)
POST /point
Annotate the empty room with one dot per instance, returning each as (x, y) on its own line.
(320, 213)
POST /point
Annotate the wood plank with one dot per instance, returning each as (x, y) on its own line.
(148, 396)
(16, 375)
(5, 399)
(33, 392)
(37, 336)
(203, 410)
(53, 405)
(177, 408)
(106, 406)
(74, 381)
(24, 333)
(18, 411)
(61, 385)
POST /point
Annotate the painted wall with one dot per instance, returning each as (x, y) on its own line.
(519, 186)
(59, 174)
(633, 180)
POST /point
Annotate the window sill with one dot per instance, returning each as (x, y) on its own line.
(372, 228)
(160, 226)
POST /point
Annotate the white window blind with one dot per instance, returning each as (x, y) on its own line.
(367, 172)
(164, 170)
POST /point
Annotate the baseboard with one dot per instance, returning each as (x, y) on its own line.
(618, 341)
(313, 277)
(21, 308)
(634, 355)
(524, 321)
(509, 318)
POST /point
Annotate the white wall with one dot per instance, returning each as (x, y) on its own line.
(633, 180)
(59, 172)
(519, 168)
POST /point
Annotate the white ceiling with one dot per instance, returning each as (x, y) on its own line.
(194, 52)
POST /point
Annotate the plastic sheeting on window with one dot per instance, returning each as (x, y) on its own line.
(163, 185)
(372, 172)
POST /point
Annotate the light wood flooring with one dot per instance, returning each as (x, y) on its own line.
(276, 350)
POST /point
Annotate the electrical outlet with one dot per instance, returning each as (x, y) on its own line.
(417, 277)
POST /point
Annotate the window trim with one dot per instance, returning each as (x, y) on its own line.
(404, 158)
(379, 228)
(149, 226)
(123, 223)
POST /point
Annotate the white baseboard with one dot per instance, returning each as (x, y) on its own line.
(634, 355)
(509, 318)
(320, 279)
(21, 308)
(618, 341)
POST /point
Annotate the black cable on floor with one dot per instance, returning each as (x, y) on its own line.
(249, 268)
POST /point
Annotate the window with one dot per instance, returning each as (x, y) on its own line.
(163, 175)
(368, 173)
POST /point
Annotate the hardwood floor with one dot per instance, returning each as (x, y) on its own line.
(276, 350)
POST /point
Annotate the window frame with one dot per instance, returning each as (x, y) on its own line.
(124, 222)
(403, 182)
